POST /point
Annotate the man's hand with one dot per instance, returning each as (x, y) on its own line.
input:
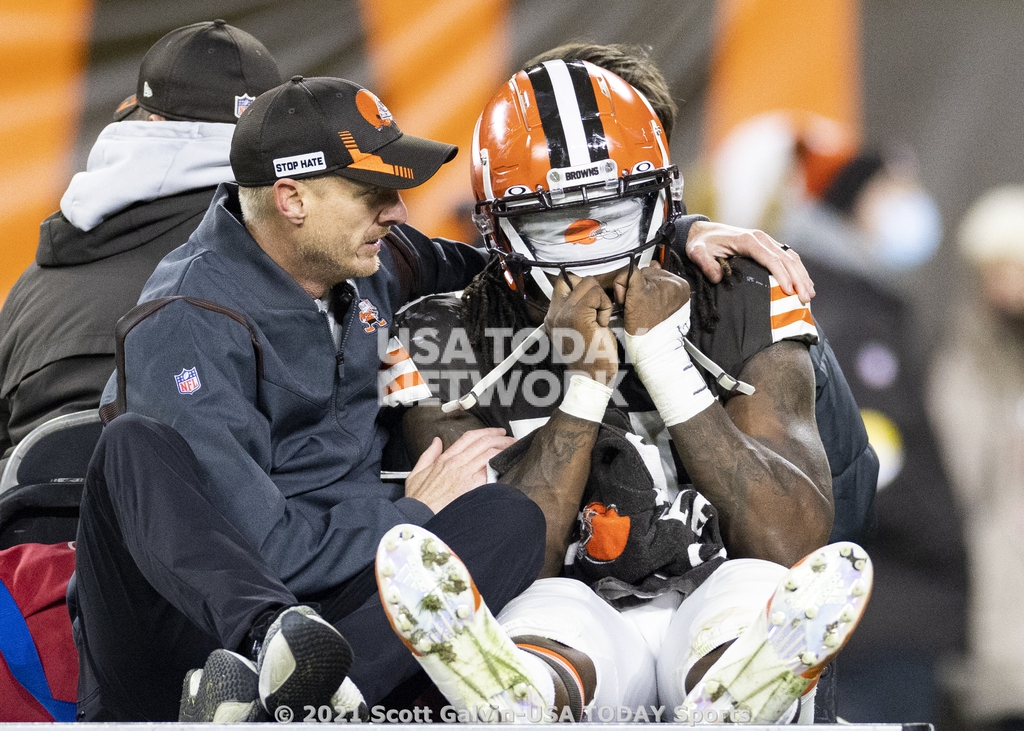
(577, 324)
(440, 477)
(650, 295)
(709, 241)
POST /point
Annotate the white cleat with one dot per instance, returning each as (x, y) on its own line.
(437, 612)
(807, 621)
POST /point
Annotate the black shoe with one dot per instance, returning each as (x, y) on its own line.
(302, 662)
(225, 690)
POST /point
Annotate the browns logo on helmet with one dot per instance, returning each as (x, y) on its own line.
(571, 173)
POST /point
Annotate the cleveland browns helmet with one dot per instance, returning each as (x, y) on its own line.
(571, 173)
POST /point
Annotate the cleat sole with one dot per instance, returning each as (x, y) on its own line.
(819, 603)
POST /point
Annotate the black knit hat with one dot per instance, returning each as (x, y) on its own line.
(204, 72)
(850, 180)
(310, 127)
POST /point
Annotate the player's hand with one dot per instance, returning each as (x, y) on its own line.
(709, 241)
(649, 296)
(577, 325)
(441, 475)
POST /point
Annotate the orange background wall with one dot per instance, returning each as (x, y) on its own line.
(798, 54)
(436, 64)
(43, 50)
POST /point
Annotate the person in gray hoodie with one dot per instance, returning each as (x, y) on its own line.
(149, 179)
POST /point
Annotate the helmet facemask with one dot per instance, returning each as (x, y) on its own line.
(586, 231)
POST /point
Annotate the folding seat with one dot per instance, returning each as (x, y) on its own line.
(41, 485)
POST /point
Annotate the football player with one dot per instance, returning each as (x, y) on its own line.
(664, 424)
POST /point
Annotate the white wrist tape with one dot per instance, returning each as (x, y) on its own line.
(586, 399)
(660, 359)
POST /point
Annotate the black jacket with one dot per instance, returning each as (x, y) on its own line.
(57, 325)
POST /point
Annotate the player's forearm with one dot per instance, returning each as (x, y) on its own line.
(769, 506)
(421, 424)
(553, 473)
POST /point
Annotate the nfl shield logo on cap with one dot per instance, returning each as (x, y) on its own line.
(188, 381)
(242, 103)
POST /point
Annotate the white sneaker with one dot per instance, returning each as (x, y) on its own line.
(807, 621)
(434, 607)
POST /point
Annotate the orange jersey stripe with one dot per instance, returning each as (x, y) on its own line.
(395, 356)
(788, 318)
(406, 380)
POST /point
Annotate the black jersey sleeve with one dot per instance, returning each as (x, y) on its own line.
(432, 332)
(430, 266)
(753, 314)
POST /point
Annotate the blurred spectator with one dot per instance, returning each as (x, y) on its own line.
(976, 400)
(149, 180)
(860, 230)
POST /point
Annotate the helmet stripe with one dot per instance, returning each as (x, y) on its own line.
(593, 129)
(569, 112)
(547, 108)
(569, 115)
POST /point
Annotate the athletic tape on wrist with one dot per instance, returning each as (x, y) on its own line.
(586, 399)
(664, 367)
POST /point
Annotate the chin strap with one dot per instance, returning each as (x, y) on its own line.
(470, 399)
(723, 379)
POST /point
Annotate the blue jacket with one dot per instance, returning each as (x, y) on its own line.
(292, 458)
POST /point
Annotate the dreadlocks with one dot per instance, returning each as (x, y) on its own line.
(488, 303)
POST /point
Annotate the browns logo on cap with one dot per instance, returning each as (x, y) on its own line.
(372, 109)
(308, 127)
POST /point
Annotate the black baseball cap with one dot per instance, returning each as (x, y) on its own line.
(204, 72)
(309, 127)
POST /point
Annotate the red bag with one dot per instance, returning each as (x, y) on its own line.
(36, 577)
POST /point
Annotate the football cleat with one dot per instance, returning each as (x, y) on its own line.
(302, 662)
(779, 657)
(434, 607)
(225, 690)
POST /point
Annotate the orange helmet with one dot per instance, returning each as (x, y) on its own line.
(571, 172)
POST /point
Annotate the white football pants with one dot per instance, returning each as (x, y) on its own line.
(642, 655)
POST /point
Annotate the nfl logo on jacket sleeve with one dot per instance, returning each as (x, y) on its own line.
(188, 381)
